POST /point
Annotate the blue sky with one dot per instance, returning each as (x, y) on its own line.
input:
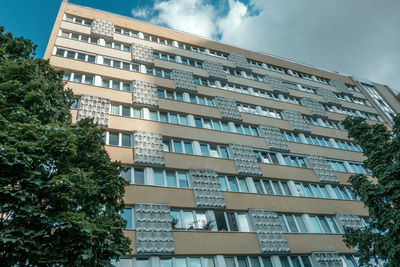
(357, 37)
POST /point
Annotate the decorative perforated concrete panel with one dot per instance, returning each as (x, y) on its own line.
(348, 221)
(102, 29)
(215, 70)
(314, 106)
(341, 86)
(153, 229)
(269, 231)
(94, 107)
(184, 81)
(322, 169)
(142, 54)
(274, 138)
(206, 189)
(148, 149)
(277, 84)
(245, 160)
(228, 108)
(240, 62)
(326, 259)
(329, 96)
(296, 121)
(144, 94)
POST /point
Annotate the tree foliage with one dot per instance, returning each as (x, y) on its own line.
(60, 195)
(381, 239)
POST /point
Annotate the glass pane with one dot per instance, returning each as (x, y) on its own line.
(324, 192)
(315, 224)
(243, 222)
(286, 189)
(233, 226)
(291, 223)
(182, 177)
(258, 186)
(243, 185)
(126, 140)
(175, 214)
(188, 219)
(139, 176)
(163, 117)
(183, 120)
(267, 261)
(127, 215)
(316, 191)
(242, 262)
(306, 261)
(158, 177)
(268, 187)
(201, 220)
(173, 118)
(230, 262)
(223, 184)
(166, 263)
(171, 179)
(283, 223)
(220, 219)
(224, 152)
(126, 111)
(295, 261)
(284, 261)
(204, 150)
(301, 224)
(209, 262)
(114, 110)
(277, 188)
(255, 262)
(153, 115)
(178, 147)
(180, 262)
(188, 148)
(195, 262)
(333, 225)
(233, 184)
(113, 139)
(142, 262)
(216, 125)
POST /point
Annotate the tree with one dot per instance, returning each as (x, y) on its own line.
(381, 238)
(60, 195)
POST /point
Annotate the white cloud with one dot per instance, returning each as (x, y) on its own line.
(193, 16)
(140, 13)
(355, 37)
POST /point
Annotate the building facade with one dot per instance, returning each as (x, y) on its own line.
(234, 158)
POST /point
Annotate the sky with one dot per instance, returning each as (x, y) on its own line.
(357, 37)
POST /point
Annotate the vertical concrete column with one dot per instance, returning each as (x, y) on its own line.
(140, 35)
(142, 69)
(146, 113)
(101, 42)
(293, 188)
(279, 156)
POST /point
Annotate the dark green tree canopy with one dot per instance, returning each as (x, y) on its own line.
(60, 195)
(381, 239)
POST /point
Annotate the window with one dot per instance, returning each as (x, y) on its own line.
(234, 184)
(232, 221)
(127, 214)
(190, 219)
(266, 157)
(324, 224)
(295, 161)
(75, 103)
(338, 166)
(292, 223)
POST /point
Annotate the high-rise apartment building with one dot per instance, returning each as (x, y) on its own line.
(235, 158)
